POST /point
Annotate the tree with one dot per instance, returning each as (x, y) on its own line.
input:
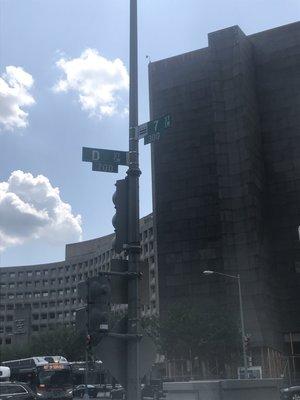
(64, 341)
(188, 332)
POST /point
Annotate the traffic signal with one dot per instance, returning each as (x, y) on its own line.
(247, 342)
(120, 219)
(94, 317)
(99, 289)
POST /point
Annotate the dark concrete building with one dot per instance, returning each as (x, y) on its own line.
(226, 180)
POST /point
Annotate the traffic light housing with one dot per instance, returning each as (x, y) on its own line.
(99, 304)
(120, 219)
(94, 318)
(247, 342)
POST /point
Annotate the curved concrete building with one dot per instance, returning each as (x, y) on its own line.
(37, 298)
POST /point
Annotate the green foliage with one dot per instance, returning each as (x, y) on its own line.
(61, 341)
(191, 331)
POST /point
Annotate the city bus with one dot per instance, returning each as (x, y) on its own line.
(50, 377)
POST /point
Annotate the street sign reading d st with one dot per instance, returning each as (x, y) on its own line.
(117, 157)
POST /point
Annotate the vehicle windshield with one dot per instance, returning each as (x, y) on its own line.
(55, 378)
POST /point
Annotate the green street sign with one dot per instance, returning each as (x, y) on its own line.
(104, 167)
(105, 156)
(152, 137)
(157, 125)
(152, 130)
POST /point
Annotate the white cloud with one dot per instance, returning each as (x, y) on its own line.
(15, 84)
(98, 81)
(31, 208)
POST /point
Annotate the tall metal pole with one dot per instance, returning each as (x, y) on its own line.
(133, 367)
(243, 327)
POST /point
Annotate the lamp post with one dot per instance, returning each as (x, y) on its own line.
(237, 277)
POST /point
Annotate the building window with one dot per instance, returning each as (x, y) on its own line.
(43, 316)
(28, 295)
(29, 274)
(59, 315)
(11, 285)
(60, 292)
(68, 291)
(46, 272)
(20, 295)
(20, 275)
(150, 231)
(37, 295)
(44, 305)
(9, 318)
(45, 294)
(1, 318)
(38, 273)
(35, 317)
(36, 283)
(52, 304)
(10, 306)
(67, 302)
(28, 284)
(19, 284)
(45, 282)
(2, 286)
(35, 328)
(12, 275)
(60, 303)
(11, 296)
(8, 341)
(52, 282)
(8, 329)
(52, 315)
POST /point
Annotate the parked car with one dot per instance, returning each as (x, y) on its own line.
(118, 392)
(290, 393)
(16, 391)
(79, 391)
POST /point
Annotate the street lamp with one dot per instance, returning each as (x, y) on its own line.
(237, 277)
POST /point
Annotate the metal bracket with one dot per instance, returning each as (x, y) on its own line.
(125, 274)
(124, 336)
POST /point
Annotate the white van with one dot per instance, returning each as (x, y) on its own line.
(4, 373)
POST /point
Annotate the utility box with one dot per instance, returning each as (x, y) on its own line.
(229, 389)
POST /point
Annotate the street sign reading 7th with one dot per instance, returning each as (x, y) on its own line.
(152, 130)
(105, 156)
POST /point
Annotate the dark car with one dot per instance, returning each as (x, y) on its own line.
(79, 391)
(290, 393)
(16, 391)
(118, 393)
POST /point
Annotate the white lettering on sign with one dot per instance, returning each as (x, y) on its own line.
(95, 155)
(117, 157)
(167, 121)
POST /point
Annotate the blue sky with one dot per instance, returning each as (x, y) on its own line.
(37, 221)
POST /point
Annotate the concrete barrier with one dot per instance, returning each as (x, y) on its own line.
(229, 389)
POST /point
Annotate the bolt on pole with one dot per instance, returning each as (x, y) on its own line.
(133, 373)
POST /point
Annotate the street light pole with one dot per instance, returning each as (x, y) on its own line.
(243, 327)
(133, 249)
(237, 277)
